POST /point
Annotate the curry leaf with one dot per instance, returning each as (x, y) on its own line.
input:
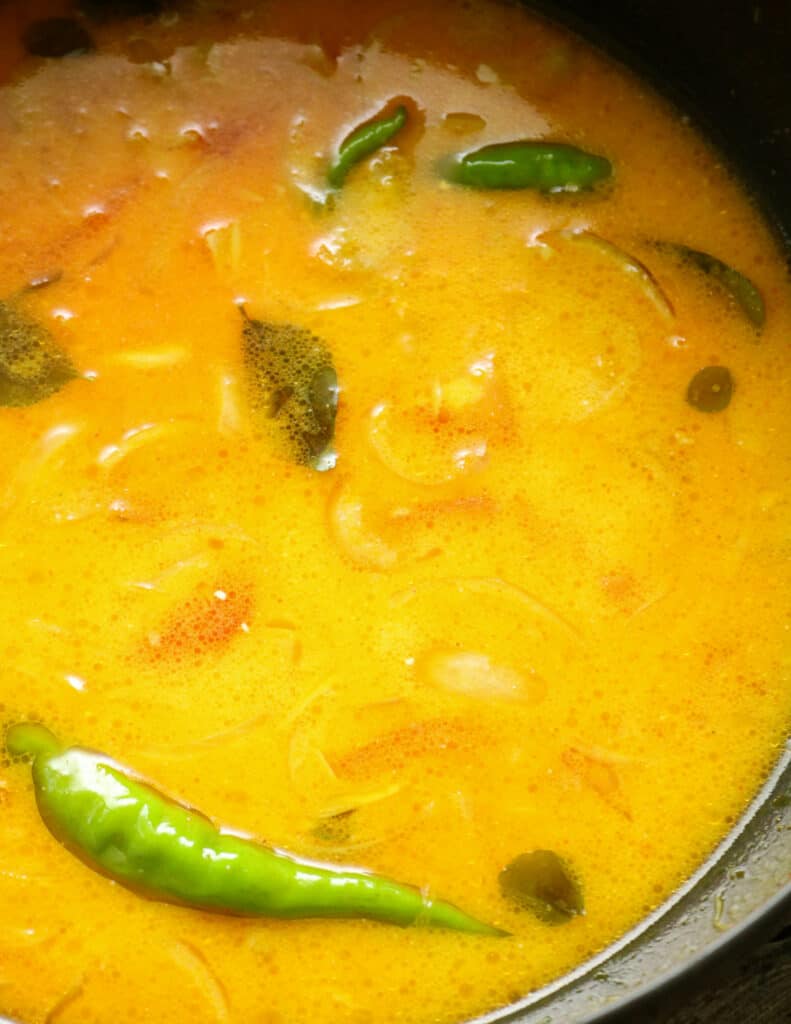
(292, 380)
(736, 285)
(32, 367)
(542, 883)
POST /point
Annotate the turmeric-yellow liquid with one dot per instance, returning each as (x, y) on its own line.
(541, 601)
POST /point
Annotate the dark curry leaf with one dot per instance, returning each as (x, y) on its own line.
(57, 37)
(335, 829)
(292, 380)
(739, 288)
(32, 367)
(542, 883)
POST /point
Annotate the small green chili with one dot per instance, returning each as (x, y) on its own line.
(546, 166)
(162, 849)
(363, 141)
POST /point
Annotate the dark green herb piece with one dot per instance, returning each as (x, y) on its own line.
(711, 388)
(57, 37)
(42, 280)
(542, 883)
(292, 379)
(335, 829)
(362, 142)
(736, 285)
(129, 831)
(32, 367)
(546, 166)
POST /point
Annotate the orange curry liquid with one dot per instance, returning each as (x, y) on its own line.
(541, 602)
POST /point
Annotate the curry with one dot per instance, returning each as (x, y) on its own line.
(394, 502)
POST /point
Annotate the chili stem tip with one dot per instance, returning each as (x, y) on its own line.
(29, 739)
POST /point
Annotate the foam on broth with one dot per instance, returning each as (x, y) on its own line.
(540, 603)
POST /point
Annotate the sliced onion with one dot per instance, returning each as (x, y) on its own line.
(229, 420)
(629, 265)
(485, 638)
(224, 242)
(422, 452)
(352, 800)
(193, 961)
(152, 358)
(134, 439)
(476, 675)
(600, 776)
(361, 545)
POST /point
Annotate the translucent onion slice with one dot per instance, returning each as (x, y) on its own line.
(192, 960)
(135, 438)
(477, 675)
(194, 748)
(361, 545)
(317, 783)
(52, 454)
(628, 263)
(152, 358)
(600, 776)
(491, 587)
(58, 1009)
(397, 750)
(229, 419)
(420, 448)
(442, 430)
(224, 242)
(354, 799)
(484, 639)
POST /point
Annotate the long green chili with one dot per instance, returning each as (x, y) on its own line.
(363, 141)
(162, 849)
(546, 166)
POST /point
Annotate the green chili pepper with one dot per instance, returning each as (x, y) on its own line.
(160, 848)
(546, 166)
(363, 141)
